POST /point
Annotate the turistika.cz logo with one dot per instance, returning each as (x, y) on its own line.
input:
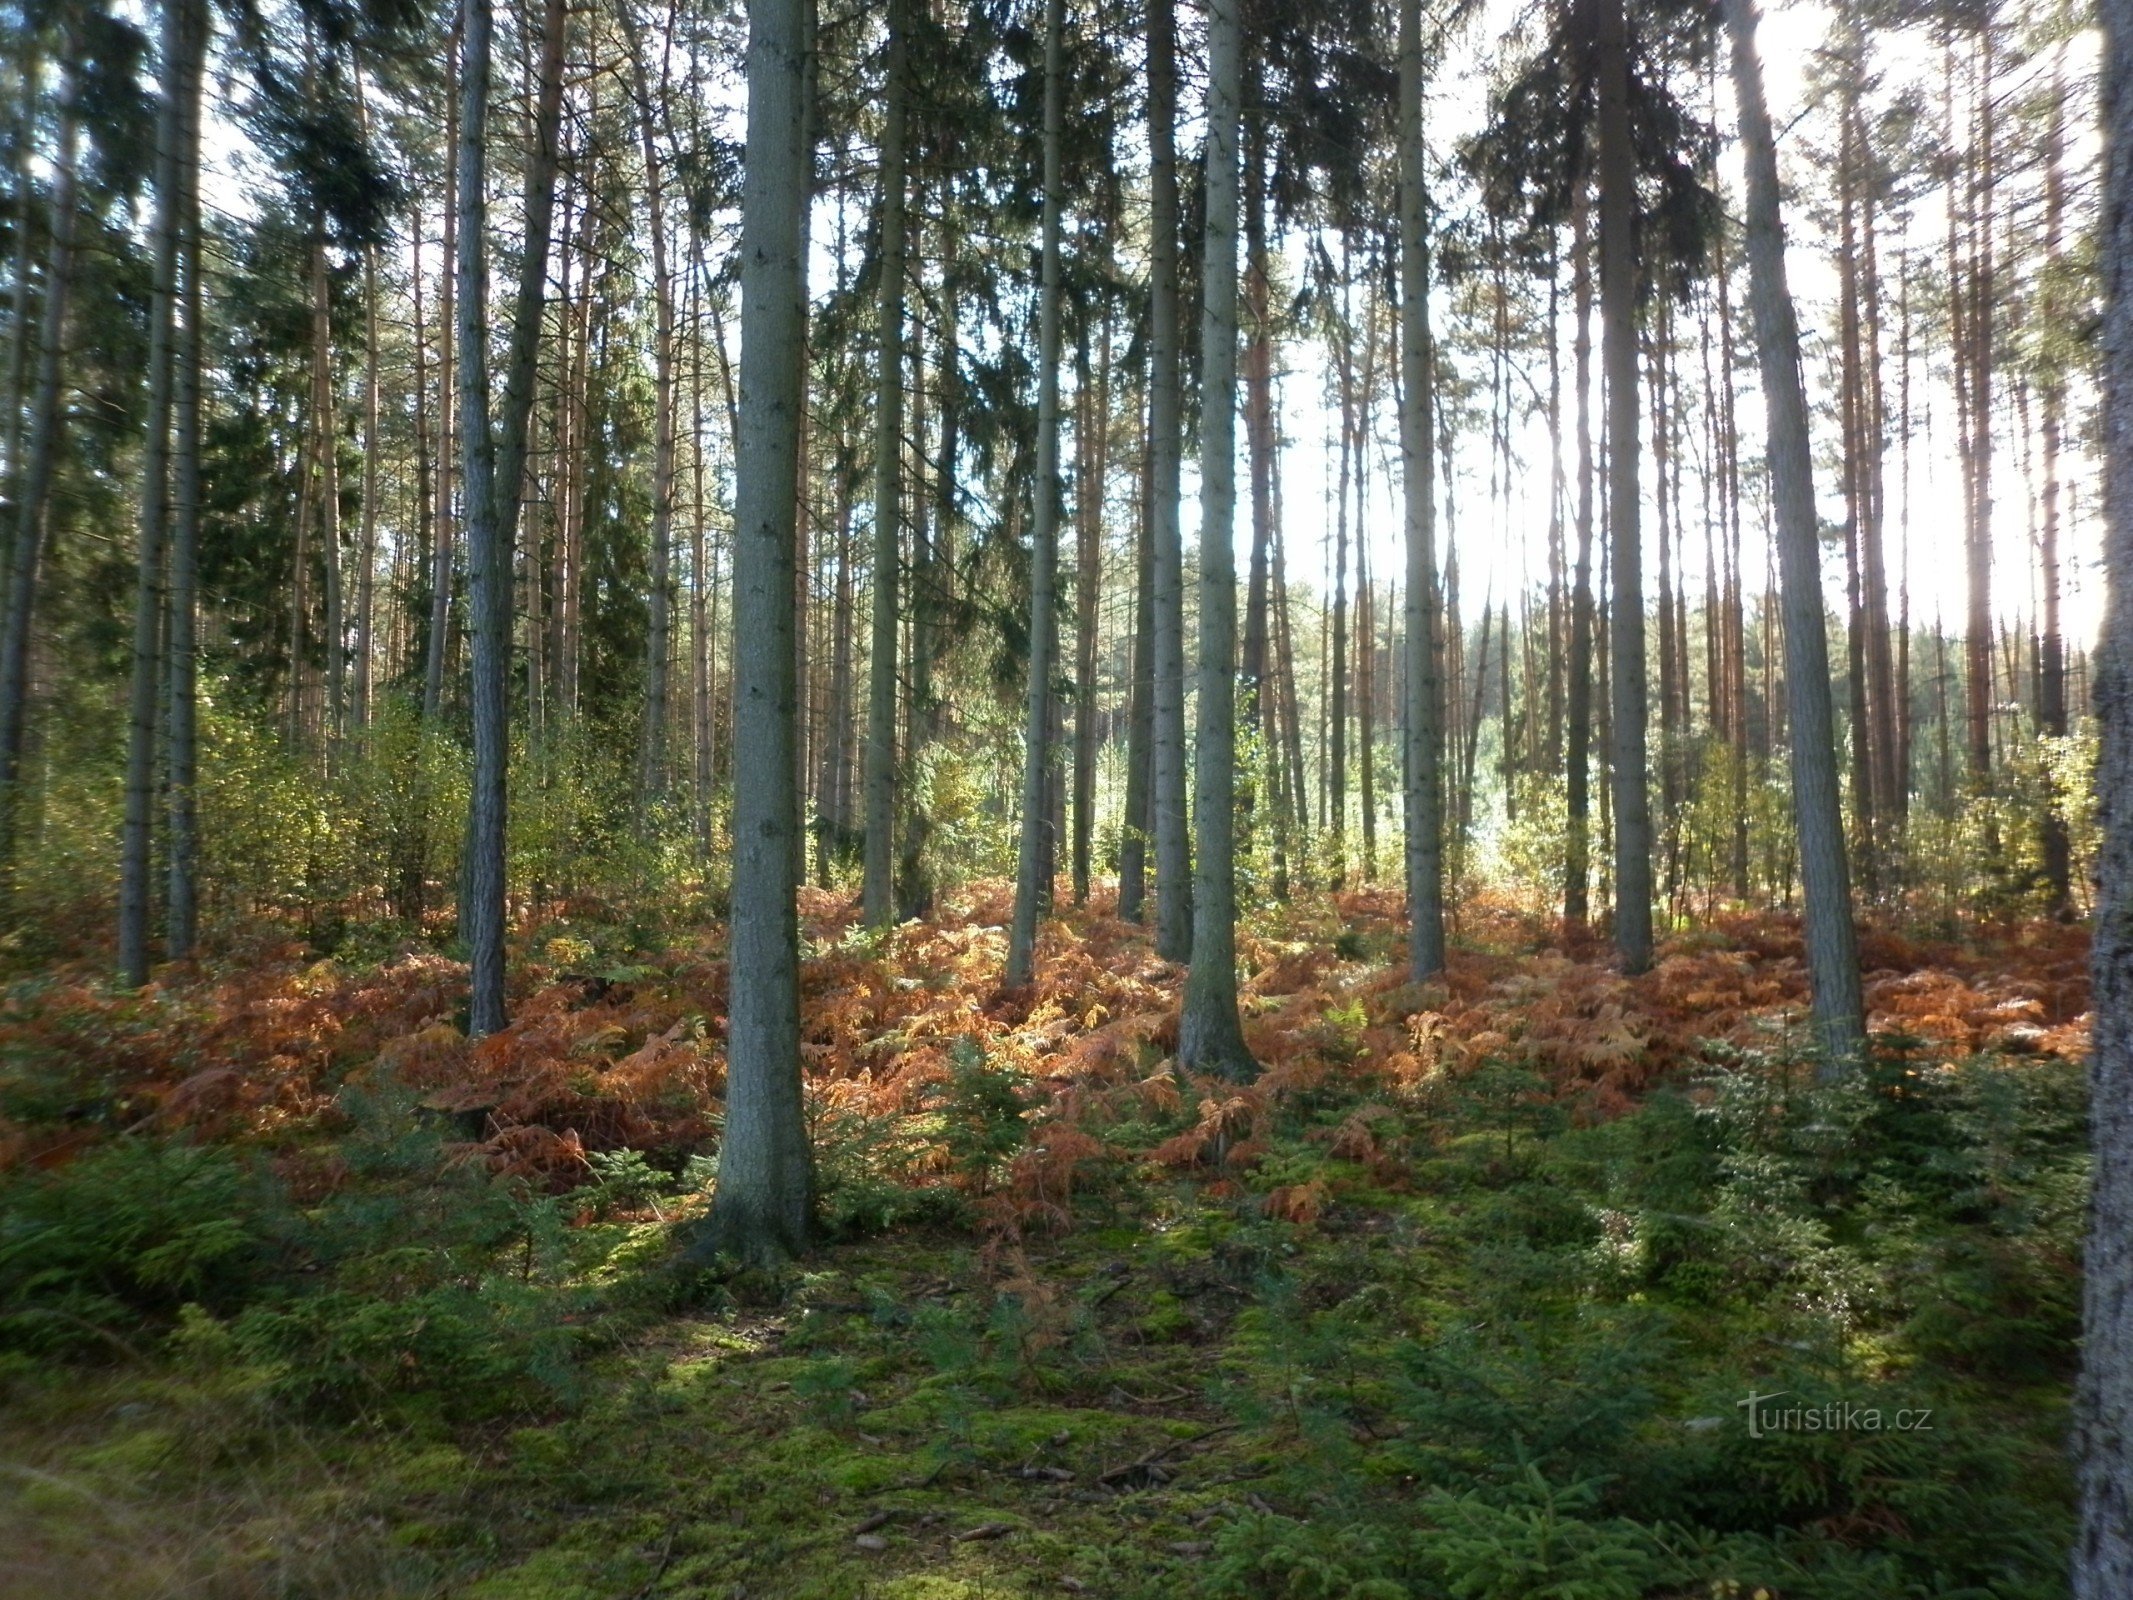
(1766, 1416)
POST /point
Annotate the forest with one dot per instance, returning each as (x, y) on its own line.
(1258, 800)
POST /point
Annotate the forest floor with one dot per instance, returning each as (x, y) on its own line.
(301, 1295)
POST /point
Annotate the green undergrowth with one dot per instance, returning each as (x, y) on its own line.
(1506, 1359)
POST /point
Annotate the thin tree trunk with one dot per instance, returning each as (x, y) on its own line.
(492, 470)
(1979, 323)
(29, 87)
(1210, 1032)
(181, 675)
(1618, 324)
(1090, 406)
(173, 127)
(658, 658)
(1578, 771)
(877, 897)
(1032, 874)
(1424, 785)
(433, 663)
(1832, 946)
(40, 458)
(2051, 647)
(1140, 713)
(1173, 849)
(326, 408)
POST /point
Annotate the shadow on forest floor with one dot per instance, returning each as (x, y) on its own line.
(301, 1294)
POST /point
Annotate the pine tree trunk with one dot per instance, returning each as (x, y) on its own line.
(29, 86)
(180, 632)
(1424, 742)
(658, 653)
(172, 126)
(433, 663)
(1088, 544)
(488, 545)
(834, 824)
(762, 1206)
(40, 456)
(1140, 714)
(1978, 319)
(2103, 1429)
(1210, 1032)
(1832, 947)
(2051, 645)
(1034, 860)
(492, 471)
(1337, 690)
(326, 424)
(1578, 771)
(877, 898)
(1173, 849)
(1618, 324)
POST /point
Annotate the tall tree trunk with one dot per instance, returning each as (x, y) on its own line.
(433, 662)
(492, 471)
(488, 545)
(326, 423)
(762, 1206)
(1032, 867)
(180, 635)
(29, 58)
(933, 573)
(1090, 408)
(367, 547)
(877, 897)
(1173, 850)
(2103, 1431)
(173, 127)
(658, 653)
(1618, 326)
(2051, 645)
(40, 459)
(1979, 323)
(1256, 707)
(834, 802)
(1337, 693)
(1140, 713)
(1832, 947)
(1578, 771)
(1210, 1032)
(1424, 742)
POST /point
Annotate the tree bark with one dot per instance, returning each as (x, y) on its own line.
(1424, 784)
(173, 125)
(1033, 862)
(1578, 759)
(492, 471)
(2103, 1429)
(1832, 945)
(180, 633)
(658, 653)
(1210, 1032)
(878, 889)
(440, 623)
(40, 458)
(2051, 645)
(1618, 326)
(1133, 835)
(1173, 849)
(762, 1206)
